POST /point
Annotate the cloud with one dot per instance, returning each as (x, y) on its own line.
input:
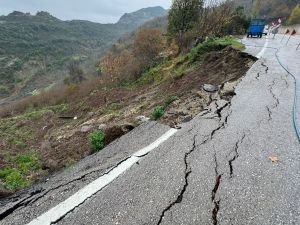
(104, 11)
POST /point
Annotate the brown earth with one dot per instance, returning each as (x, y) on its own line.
(60, 141)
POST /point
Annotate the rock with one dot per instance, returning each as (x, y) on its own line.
(102, 126)
(142, 119)
(210, 88)
(228, 90)
(89, 122)
(59, 137)
(85, 129)
(187, 118)
(90, 114)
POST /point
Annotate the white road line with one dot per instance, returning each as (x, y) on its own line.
(83, 194)
(262, 52)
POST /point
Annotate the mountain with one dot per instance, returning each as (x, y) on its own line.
(142, 15)
(35, 50)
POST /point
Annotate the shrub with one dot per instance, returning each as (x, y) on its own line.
(20, 176)
(212, 44)
(295, 15)
(97, 140)
(13, 179)
(158, 112)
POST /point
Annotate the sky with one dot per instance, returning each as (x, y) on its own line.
(102, 11)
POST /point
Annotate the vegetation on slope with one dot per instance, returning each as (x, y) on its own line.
(35, 50)
(58, 127)
(270, 9)
(53, 142)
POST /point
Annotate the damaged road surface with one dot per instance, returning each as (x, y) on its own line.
(216, 169)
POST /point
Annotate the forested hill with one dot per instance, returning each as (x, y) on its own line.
(36, 49)
(270, 8)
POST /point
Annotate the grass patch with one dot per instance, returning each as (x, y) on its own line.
(13, 179)
(97, 141)
(183, 64)
(212, 44)
(18, 176)
(28, 162)
(158, 112)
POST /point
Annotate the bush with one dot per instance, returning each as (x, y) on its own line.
(295, 15)
(19, 176)
(158, 112)
(13, 179)
(97, 140)
(212, 44)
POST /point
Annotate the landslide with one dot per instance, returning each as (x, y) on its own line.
(45, 139)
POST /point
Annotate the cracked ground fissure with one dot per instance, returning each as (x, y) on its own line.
(266, 67)
(276, 100)
(183, 189)
(33, 198)
(271, 86)
(216, 203)
(69, 212)
(236, 155)
(188, 170)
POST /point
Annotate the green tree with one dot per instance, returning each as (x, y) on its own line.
(295, 15)
(237, 22)
(183, 16)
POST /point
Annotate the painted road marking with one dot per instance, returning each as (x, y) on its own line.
(262, 52)
(83, 194)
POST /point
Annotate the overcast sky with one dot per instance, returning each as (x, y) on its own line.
(103, 11)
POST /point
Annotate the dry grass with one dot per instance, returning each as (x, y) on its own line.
(59, 95)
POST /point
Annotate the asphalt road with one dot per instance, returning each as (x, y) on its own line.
(217, 169)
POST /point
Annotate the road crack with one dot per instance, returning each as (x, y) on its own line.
(236, 154)
(40, 193)
(276, 100)
(216, 203)
(188, 171)
(266, 67)
(257, 76)
(269, 113)
(23, 202)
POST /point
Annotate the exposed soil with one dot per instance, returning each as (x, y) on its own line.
(61, 142)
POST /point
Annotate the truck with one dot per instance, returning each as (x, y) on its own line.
(256, 28)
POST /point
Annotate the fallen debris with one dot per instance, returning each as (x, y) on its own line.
(210, 88)
(274, 159)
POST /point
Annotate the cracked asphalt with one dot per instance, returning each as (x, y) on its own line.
(215, 170)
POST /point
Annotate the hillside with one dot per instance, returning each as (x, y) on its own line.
(45, 138)
(35, 49)
(269, 8)
(141, 16)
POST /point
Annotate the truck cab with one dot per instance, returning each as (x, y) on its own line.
(256, 28)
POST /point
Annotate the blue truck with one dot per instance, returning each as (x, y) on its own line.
(256, 28)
